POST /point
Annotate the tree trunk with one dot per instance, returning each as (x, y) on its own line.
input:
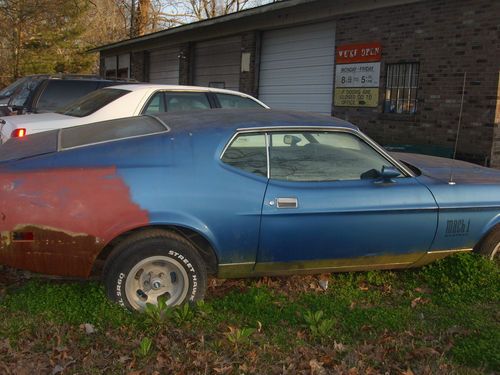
(142, 17)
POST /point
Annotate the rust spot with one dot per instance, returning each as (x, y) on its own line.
(73, 214)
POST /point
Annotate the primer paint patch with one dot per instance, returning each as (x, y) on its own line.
(73, 213)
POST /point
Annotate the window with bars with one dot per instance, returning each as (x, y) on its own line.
(401, 88)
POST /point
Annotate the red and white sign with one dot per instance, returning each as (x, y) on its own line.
(353, 53)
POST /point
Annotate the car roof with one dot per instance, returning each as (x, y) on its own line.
(148, 86)
(234, 119)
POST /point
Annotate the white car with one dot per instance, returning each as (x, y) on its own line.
(124, 101)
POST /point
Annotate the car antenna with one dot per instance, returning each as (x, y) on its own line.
(451, 182)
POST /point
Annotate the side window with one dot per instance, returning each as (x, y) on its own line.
(248, 152)
(186, 101)
(322, 156)
(155, 104)
(59, 93)
(235, 101)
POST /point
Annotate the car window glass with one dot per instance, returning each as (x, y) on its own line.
(186, 101)
(235, 101)
(59, 93)
(322, 156)
(155, 105)
(248, 152)
(20, 97)
(9, 90)
(92, 102)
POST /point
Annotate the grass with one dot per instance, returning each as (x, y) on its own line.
(442, 318)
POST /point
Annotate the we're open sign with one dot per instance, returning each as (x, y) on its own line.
(357, 74)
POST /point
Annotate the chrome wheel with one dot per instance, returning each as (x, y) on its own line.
(155, 277)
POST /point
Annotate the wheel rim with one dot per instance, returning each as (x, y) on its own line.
(495, 251)
(155, 277)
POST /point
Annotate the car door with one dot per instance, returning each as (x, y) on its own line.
(325, 202)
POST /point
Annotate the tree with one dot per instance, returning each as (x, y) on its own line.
(41, 36)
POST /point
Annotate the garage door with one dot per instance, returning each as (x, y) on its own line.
(164, 66)
(296, 68)
(217, 63)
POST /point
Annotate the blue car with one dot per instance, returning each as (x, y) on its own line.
(155, 204)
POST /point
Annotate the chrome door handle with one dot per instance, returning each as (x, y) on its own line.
(287, 203)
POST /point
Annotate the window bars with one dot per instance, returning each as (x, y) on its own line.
(401, 88)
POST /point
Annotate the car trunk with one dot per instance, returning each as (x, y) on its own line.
(33, 145)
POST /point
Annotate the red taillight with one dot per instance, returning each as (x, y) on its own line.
(18, 133)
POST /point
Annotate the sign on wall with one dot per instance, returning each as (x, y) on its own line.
(357, 75)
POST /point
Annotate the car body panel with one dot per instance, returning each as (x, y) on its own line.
(330, 215)
(468, 197)
(75, 202)
(81, 208)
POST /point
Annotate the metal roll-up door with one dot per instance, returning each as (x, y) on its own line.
(164, 66)
(297, 68)
(217, 63)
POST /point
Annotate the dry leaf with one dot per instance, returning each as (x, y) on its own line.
(419, 300)
(317, 367)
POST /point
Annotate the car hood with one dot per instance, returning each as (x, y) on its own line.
(443, 169)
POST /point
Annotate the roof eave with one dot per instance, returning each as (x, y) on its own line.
(204, 23)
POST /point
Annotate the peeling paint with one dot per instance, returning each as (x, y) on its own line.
(73, 214)
(27, 227)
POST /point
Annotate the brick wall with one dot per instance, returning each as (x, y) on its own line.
(447, 38)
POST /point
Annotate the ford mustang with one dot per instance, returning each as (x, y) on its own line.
(154, 204)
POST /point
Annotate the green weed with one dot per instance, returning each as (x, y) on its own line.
(238, 337)
(145, 347)
(319, 326)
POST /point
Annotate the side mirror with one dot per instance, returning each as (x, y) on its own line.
(388, 173)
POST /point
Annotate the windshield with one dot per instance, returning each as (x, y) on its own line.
(9, 90)
(20, 97)
(92, 102)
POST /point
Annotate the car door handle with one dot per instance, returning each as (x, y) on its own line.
(287, 202)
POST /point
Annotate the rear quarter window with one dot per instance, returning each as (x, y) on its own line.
(248, 153)
(235, 101)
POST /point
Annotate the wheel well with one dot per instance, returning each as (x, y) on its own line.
(203, 246)
(490, 231)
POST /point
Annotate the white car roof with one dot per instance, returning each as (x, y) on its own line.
(150, 86)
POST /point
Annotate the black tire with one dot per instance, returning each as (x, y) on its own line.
(489, 246)
(152, 264)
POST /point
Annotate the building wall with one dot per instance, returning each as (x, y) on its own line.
(447, 39)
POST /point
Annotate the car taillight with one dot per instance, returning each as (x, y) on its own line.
(18, 133)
